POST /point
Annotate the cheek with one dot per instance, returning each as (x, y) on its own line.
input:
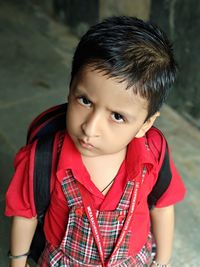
(127, 135)
(70, 119)
(73, 120)
(121, 138)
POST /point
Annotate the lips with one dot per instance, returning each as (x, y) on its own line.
(85, 144)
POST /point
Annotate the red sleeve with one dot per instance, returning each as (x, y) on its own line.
(176, 190)
(19, 196)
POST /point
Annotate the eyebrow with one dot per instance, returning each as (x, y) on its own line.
(80, 90)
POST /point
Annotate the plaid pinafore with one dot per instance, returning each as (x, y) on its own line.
(79, 247)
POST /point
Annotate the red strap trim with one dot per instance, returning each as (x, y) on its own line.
(91, 215)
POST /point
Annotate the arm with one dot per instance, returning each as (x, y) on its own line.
(162, 220)
(22, 231)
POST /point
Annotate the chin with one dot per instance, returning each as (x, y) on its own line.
(88, 154)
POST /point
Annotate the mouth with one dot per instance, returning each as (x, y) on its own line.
(85, 144)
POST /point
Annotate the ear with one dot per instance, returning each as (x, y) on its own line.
(147, 125)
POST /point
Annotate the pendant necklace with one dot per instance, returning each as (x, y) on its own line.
(108, 184)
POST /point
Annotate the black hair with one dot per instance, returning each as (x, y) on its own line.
(130, 50)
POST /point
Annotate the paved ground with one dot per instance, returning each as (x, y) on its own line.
(35, 56)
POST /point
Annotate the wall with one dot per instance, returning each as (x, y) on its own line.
(79, 15)
(137, 8)
(181, 20)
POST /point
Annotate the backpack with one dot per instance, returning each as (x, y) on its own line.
(43, 130)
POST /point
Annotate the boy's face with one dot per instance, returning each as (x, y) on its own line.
(102, 116)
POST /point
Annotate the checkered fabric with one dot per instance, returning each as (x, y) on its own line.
(78, 247)
(53, 257)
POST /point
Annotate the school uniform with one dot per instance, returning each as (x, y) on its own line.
(71, 238)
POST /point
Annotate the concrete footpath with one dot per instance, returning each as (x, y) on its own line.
(35, 58)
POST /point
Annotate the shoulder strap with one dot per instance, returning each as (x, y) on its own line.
(46, 131)
(163, 180)
(41, 187)
(44, 162)
(43, 130)
(42, 173)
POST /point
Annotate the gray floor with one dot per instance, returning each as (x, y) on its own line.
(35, 56)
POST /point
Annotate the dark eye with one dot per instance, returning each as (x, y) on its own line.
(84, 101)
(117, 117)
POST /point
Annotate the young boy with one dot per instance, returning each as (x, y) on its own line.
(110, 158)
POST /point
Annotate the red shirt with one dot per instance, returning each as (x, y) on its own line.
(20, 200)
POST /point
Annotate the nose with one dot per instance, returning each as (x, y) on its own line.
(91, 125)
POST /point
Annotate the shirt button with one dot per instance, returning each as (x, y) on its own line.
(79, 212)
(120, 218)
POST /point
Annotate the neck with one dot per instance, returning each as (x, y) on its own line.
(103, 169)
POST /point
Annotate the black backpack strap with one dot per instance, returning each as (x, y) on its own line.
(163, 181)
(43, 163)
(42, 173)
(43, 130)
(41, 187)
